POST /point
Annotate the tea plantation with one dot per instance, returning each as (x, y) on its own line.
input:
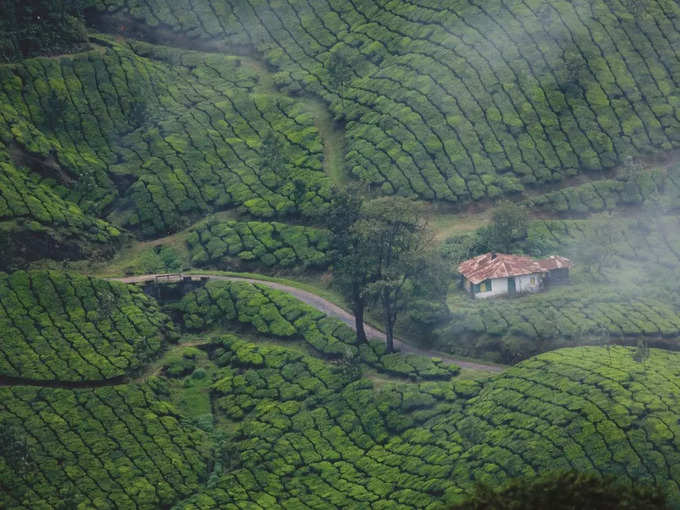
(156, 135)
(61, 327)
(266, 244)
(320, 442)
(276, 406)
(116, 447)
(272, 312)
(466, 101)
(167, 136)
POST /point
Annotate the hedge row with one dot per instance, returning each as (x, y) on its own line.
(658, 187)
(270, 244)
(467, 102)
(582, 409)
(309, 436)
(518, 328)
(65, 327)
(306, 433)
(114, 447)
(163, 135)
(35, 222)
(272, 312)
(650, 241)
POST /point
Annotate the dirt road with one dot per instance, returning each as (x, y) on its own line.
(328, 308)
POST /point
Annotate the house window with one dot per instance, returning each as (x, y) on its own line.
(485, 286)
(532, 280)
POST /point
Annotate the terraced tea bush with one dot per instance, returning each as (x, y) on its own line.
(65, 327)
(114, 447)
(658, 187)
(162, 136)
(515, 329)
(36, 222)
(275, 313)
(223, 244)
(322, 438)
(467, 101)
(565, 491)
(587, 409)
(648, 241)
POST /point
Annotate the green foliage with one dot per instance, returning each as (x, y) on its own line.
(467, 101)
(36, 27)
(321, 437)
(114, 447)
(159, 259)
(119, 128)
(275, 313)
(565, 491)
(513, 329)
(35, 222)
(508, 228)
(65, 327)
(223, 244)
(655, 187)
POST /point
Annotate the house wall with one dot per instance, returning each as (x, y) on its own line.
(499, 287)
(528, 283)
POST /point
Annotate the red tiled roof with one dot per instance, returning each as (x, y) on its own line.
(499, 265)
(554, 262)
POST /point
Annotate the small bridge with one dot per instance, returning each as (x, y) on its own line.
(155, 284)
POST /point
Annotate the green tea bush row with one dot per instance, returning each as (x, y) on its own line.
(65, 327)
(36, 222)
(656, 187)
(649, 239)
(162, 135)
(584, 409)
(113, 447)
(468, 102)
(322, 437)
(273, 312)
(518, 328)
(270, 244)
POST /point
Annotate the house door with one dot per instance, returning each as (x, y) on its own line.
(512, 289)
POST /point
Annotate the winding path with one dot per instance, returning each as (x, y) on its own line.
(320, 304)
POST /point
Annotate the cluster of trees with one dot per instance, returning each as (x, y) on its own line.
(36, 27)
(381, 253)
(507, 232)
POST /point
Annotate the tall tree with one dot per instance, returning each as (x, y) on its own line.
(393, 231)
(352, 269)
(339, 69)
(509, 226)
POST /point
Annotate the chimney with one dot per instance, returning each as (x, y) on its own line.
(493, 255)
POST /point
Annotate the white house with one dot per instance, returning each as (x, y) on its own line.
(498, 274)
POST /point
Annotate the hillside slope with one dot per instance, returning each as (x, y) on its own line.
(296, 414)
(465, 101)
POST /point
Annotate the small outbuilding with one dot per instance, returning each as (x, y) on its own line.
(498, 274)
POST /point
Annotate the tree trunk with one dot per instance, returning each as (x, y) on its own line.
(389, 336)
(389, 324)
(359, 322)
